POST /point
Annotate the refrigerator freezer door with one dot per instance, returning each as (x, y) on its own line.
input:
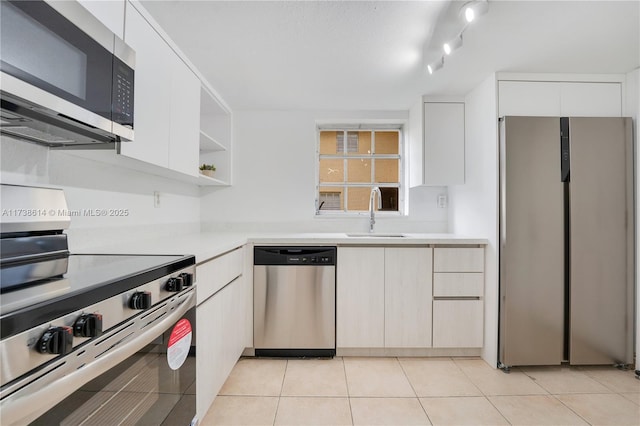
(531, 242)
(601, 247)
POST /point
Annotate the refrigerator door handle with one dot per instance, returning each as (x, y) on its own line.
(565, 158)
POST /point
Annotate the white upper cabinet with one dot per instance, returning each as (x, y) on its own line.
(109, 12)
(444, 143)
(178, 121)
(436, 140)
(152, 92)
(565, 99)
(166, 101)
(185, 119)
(591, 99)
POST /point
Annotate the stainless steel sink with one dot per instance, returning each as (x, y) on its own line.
(375, 235)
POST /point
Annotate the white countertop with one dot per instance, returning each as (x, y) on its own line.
(207, 245)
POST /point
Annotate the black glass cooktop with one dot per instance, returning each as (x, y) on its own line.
(56, 287)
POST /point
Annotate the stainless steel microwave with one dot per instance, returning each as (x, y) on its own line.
(66, 79)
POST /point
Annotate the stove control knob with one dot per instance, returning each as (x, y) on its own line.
(140, 300)
(56, 340)
(88, 325)
(187, 279)
(174, 284)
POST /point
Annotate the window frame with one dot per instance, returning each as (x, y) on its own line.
(363, 126)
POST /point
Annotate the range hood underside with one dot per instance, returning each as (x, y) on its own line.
(30, 123)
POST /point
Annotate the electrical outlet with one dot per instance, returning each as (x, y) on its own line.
(156, 199)
(442, 201)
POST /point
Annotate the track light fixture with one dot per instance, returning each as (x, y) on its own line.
(434, 66)
(470, 10)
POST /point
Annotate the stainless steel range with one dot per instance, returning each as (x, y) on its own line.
(90, 339)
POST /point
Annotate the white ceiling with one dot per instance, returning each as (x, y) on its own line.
(372, 55)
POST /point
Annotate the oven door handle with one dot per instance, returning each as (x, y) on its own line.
(26, 404)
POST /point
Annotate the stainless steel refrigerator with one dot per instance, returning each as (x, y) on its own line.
(566, 241)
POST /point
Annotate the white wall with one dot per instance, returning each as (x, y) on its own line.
(474, 205)
(274, 155)
(93, 185)
(632, 109)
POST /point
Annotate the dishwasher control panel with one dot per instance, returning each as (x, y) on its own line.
(312, 260)
(294, 256)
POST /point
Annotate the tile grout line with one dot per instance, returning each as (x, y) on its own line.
(414, 391)
(570, 409)
(346, 382)
(555, 396)
(484, 395)
(467, 376)
(280, 394)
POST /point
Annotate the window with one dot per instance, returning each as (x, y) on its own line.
(348, 172)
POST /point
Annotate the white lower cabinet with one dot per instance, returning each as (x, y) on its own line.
(410, 297)
(383, 297)
(458, 292)
(458, 323)
(407, 297)
(360, 297)
(221, 323)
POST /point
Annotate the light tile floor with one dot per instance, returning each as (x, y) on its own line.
(421, 391)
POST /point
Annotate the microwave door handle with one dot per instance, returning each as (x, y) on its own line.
(26, 405)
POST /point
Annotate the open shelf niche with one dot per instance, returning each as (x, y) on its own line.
(215, 139)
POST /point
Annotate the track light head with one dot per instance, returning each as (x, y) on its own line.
(473, 9)
(434, 66)
(452, 45)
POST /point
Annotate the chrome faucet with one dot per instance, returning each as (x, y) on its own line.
(372, 215)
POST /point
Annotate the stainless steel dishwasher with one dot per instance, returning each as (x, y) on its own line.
(294, 301)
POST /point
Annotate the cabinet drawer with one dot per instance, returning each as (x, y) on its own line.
(458, 323)
(458, 259)
(458, 284)
(211, 276)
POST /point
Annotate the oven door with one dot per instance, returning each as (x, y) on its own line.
(143, 372)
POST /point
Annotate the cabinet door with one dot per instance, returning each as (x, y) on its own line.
(209, 346)
(565, 99)
(443, 143)
(458, 323)
(219, 341)
(109, 12)
(407, 299)
(152, 96)
(591, 100)
(184, 143)
(360, 297)
(458, 259)
(535, 98)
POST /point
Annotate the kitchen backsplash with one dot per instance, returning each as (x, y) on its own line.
(108, 203)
